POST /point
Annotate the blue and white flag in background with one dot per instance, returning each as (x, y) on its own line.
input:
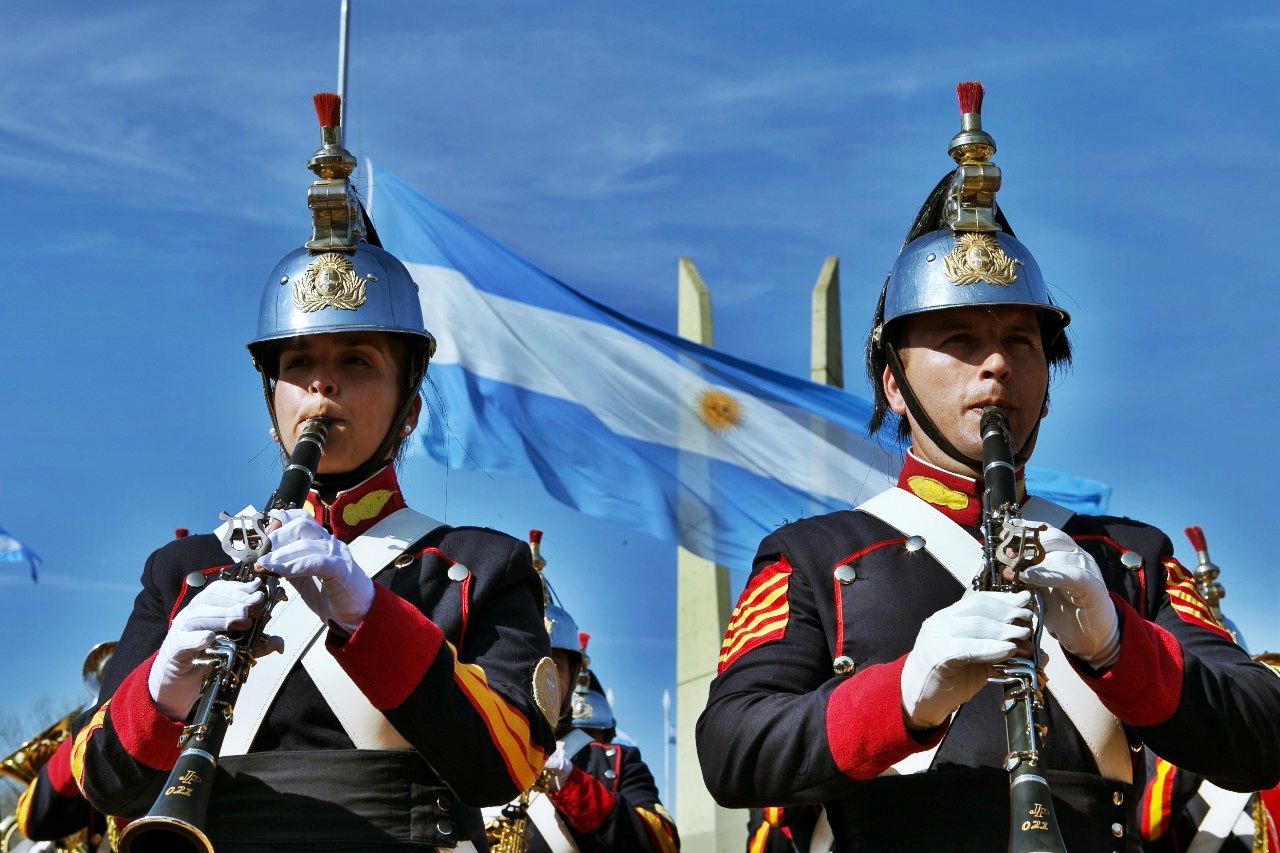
(13, 551)
(623, 421)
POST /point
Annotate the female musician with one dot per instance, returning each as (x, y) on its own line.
(415, 703)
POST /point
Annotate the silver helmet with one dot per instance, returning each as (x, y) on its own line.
(960, 251)
(954, 269)
(591, 708)
(364, 289)
(341, 280)
(561, 628)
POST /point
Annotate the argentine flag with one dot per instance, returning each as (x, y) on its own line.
(13, 551)
(624, 421)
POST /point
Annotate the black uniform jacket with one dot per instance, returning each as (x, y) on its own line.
(610, 803)
(449, 662)
(786, 724)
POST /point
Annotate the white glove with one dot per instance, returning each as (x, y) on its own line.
(1077, 607)
(557, 769)
(319, 567)
(176, 677)
(955, 650)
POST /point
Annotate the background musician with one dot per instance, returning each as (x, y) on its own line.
(595, 794)
(1180, 809)
(415, 704)
(854, 671)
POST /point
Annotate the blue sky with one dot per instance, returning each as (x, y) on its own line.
(155, 168)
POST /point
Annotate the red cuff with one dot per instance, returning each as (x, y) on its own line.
(58, 769)
(866, 732)
(146, 734)
(1143, 686)
(583, 800)
(389, 654)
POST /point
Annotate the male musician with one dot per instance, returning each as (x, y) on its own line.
(412, 681)
(595, 795)
(854, 672)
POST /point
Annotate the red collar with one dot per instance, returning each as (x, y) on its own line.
(954, 495)
(357, 509)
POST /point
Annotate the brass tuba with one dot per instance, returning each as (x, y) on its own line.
(24, 763)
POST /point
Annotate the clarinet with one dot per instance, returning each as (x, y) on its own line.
(1012, 543)
(176, 819)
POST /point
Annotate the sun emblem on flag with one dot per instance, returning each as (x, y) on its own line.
(718, 411)
(329, 282)
(978, 258)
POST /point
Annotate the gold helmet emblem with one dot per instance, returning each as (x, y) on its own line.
(978, 257)
(329, 281)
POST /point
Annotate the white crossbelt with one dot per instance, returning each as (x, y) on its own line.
(961, 555)
(302, 630)
(1228, 815)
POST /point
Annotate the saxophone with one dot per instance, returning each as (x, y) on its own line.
(509, 832)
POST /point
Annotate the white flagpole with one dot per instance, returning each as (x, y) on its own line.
(343, 35)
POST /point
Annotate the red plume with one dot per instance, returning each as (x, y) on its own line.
(180, 533)
(583, 639)
(970, 96)
(329, 109)
(535, 536)
(1196, 535)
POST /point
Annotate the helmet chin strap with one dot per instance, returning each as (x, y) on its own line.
(930, 429)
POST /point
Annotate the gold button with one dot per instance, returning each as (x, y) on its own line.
(403, 560)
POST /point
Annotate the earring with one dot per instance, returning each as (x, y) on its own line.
(408, 428)
(275, 436)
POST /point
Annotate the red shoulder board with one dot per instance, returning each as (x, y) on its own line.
(1186, 600)
(761, 615)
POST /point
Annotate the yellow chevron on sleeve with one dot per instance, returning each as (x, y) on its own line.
(745, 615)
(756, 598)
(759, 617)
(658, 831)
(82, 742)
(1185, 596)
(767, 624)
(508, 728)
